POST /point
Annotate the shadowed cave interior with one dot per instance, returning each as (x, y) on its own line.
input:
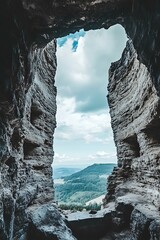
(27, 70)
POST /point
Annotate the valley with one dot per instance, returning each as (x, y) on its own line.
(83, 186)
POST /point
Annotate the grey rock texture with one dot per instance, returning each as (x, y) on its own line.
(141, 219)
(28, 108)
(27, 152)
(135, 125)
(88, 226)
(47, 223)
(154, 229)
(27, 121)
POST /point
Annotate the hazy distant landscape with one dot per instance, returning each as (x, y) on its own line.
(78, 187)
(60, 172)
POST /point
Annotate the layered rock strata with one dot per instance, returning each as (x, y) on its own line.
(27, 123)
(26, 144)
(28, 107)
(135, 127)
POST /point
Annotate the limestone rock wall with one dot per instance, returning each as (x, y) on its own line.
(134, 108)
(27, 121)
(134, 183)
(26, 145)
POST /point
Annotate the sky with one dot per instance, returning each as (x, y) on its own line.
(83, 135)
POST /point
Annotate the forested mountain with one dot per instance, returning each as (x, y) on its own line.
(84, 185)
(60, 172)
(95, 169)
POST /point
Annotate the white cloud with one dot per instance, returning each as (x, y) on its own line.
(84, 74)
(77, 125)
(103, 155)
(98, 157)
(82, 116)
(64, 159)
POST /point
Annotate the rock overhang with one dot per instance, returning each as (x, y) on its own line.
(69, 16)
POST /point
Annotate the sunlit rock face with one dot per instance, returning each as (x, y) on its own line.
(28, 107)
(134, 108)
(134, 184)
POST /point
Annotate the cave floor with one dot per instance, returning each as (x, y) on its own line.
(125, 235)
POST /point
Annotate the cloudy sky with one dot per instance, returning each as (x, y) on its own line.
(83, 135)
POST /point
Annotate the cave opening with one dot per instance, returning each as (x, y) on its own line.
(83, 140)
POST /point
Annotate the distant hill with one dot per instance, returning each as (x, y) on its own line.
(64, 171)
(95, 169)
(84, 185)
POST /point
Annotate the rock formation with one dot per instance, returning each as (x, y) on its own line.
(28, 108)
(135, 127)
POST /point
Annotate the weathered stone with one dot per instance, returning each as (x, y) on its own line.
(47, 223)
(135, 126)
(125, 235)
(87, 226)
(141, 218)
(130, 92)
(27, 127)
(154, 229)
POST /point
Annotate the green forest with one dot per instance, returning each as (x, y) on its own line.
(84, 185)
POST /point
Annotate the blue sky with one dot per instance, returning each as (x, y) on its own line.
(84, 135)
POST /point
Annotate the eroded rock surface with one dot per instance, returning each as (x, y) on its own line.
(46, 222)
(135, 127)
(26, 145)
(135, 182)
(28, 108)
(88, 226)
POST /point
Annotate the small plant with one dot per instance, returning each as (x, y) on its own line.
(76, 207)
(93, 206)
(72, 207)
